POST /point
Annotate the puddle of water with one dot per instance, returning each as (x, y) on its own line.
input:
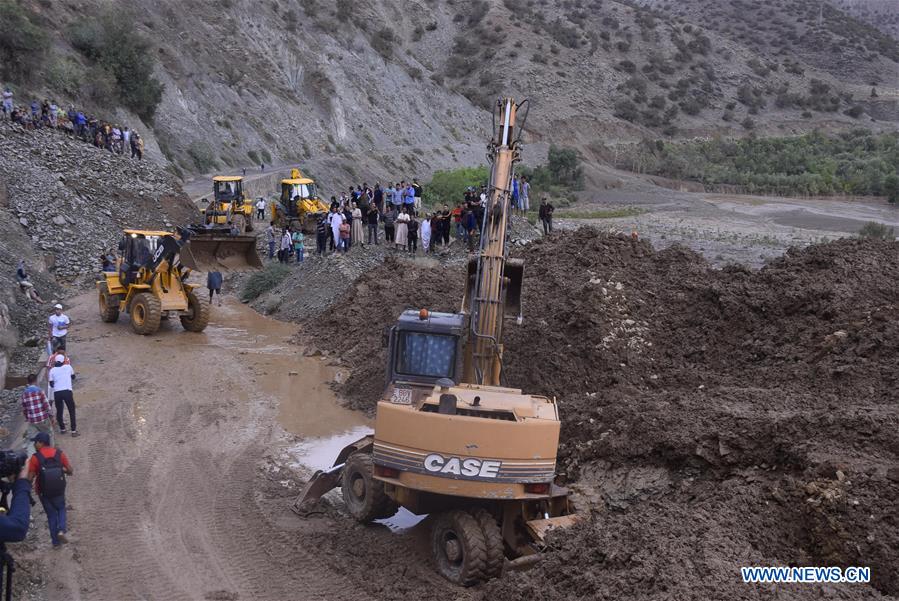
(319, 453)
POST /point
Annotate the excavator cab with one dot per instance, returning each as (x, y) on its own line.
(425, 347)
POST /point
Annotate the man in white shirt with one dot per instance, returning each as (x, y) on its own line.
(260, 208)
(60, 378)
(59, 328)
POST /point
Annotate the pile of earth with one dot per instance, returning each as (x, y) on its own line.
(712, 419)
(72, 199)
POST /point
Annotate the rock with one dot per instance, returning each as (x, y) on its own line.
(59, 220)
(23, 221)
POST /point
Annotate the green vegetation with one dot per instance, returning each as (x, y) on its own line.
(262, 281)
(118, 52)
(877, 231)
(448, 187)
(856, 162)
(560, 177)
(23, 44)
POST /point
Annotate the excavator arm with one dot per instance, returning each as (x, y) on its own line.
(493, 290)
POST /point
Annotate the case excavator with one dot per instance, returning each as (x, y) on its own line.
(450, 439)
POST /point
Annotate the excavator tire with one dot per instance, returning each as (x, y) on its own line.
(460, 551)
(493, 538)
(146, 313)
(109, 305)
(364, 496)
(198, 308)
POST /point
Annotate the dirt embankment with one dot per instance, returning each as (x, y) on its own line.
(711, 418)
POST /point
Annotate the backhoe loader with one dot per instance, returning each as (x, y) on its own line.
(450, 440)
(149, 284)
(299, 204)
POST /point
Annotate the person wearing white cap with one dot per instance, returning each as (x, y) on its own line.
(59, 328)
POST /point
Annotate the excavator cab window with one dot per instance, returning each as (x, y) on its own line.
(291, 191)
(426, 355)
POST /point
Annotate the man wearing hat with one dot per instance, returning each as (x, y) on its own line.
(60, 379)
(59, 328)
(49, 466)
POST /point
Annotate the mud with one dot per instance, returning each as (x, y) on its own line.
(180, 491)
(712, 418)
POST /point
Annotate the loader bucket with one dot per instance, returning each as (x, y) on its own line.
(211, 253)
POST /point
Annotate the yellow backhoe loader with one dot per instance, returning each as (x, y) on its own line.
(222, 241)
(299, 204)
(149, 284)
(450, 440)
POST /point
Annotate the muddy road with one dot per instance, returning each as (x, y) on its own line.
(188, 462)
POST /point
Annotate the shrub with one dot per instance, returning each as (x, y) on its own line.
(855, 112)
(876, 231)
(202, 157)
(23, 44)
(448, 187)
(262, 281)
(112, 42)
(626, 66)
(382, 41)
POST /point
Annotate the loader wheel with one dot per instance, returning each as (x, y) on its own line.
(493, 538)
(459, 548)
(146, 313)
(109, 305)
(364, 496)
(198, 313)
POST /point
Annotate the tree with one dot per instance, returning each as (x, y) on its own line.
(891, 187)
(112, 42)
(22, 43)
(565, 168)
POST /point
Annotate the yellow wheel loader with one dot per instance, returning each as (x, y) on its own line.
(229, 204)
(223, 241)
(149, 283)
(299, 204)
(450, 440)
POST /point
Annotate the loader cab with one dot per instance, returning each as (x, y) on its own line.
(227, 189)
(296, 189)
(424, 347)
(136, 249)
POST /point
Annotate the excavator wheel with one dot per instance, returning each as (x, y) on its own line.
(109, 305)
(493, 538)
(460, 551)
(364, 496)
(146, 313)
(198, 309)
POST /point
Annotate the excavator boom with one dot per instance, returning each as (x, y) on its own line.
(494, 284)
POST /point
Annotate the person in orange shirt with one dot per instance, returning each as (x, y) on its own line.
(49, 467)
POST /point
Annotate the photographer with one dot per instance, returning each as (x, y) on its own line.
(14, 524)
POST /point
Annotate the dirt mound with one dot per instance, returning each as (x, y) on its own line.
(711, 418)
(354, 326)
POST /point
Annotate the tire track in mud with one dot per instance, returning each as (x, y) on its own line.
(169, 489)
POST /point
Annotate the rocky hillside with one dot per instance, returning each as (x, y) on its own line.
(354, 88)
(882, 14)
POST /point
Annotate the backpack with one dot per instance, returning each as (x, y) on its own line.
(52, 478)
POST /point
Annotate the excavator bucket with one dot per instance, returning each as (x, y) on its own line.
(214, 252)
(321, 482)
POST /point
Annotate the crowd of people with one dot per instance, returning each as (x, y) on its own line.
(76, 123)
(394, 214)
